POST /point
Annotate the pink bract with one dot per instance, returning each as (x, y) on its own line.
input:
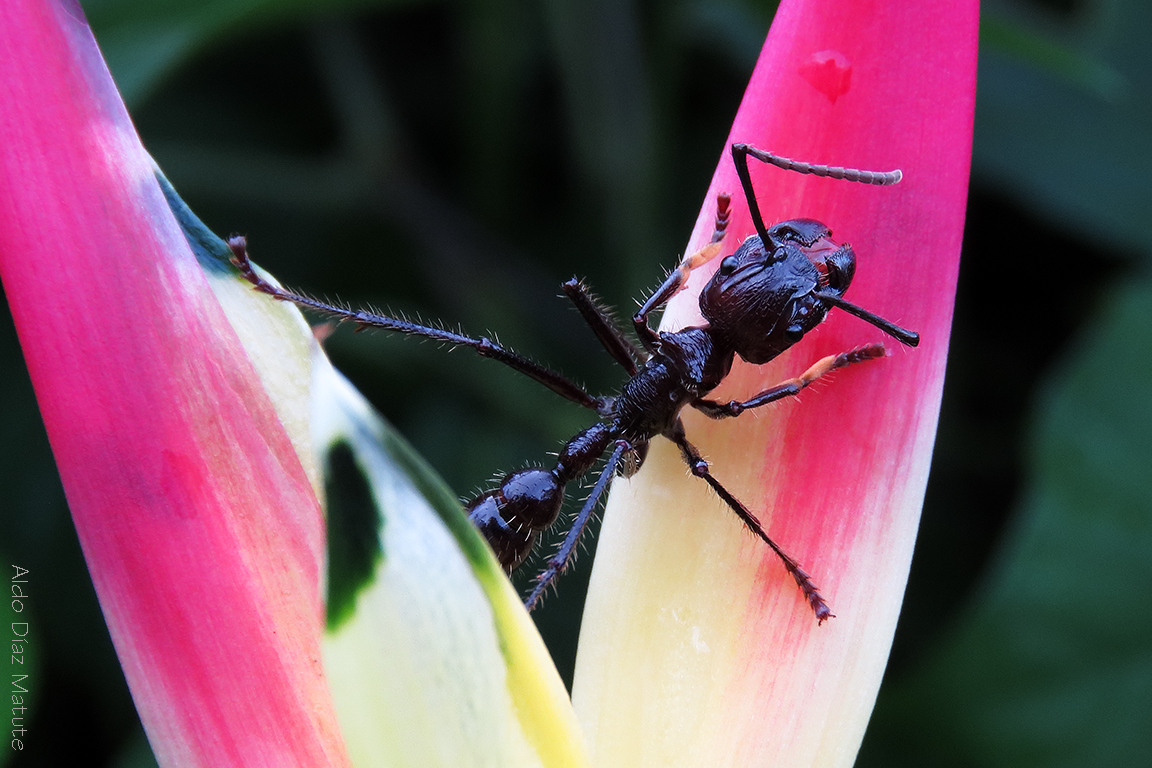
(697, 647)
(200, 527)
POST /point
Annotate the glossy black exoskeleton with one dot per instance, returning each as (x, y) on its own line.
(778, 285)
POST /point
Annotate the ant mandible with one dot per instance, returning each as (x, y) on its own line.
(777, 286)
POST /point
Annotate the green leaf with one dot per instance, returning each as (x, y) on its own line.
(144, 40)
(1053, 665)
(1048, 54)
(1064, 116)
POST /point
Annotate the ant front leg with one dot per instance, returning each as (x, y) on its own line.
(604, 326)
(791, 387)
(699, 468)
(483, 346)
(676, 280)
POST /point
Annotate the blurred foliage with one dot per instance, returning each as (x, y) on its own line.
(1069, 133)
(144, 41)
(459, 160)
(1051, 664)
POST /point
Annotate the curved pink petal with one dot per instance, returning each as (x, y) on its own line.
(202, 533)
(697, 647)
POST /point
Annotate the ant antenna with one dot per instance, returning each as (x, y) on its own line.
(740, 154)
(910, 338)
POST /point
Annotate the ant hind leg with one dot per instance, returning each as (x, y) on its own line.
(559, 561)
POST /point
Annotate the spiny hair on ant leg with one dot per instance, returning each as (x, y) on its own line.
(776, 286)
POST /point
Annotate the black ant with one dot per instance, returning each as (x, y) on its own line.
(777, 286)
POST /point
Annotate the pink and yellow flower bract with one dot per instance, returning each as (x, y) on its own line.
(196, 503)
(200, 526)
(697, 648)
(190, 417)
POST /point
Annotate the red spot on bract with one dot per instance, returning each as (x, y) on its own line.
(829, 72)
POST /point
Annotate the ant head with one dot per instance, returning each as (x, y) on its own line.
(836, 263)
(782, 281)
(762, 299)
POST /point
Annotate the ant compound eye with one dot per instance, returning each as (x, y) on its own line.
(728, 266)
(793, 334)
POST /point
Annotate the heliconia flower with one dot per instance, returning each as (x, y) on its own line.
(184, 412)
(194, 422)
(697, 648)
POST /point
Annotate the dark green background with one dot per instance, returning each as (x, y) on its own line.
(458, 160)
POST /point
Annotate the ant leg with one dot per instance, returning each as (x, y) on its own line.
(484, 346)
(603, 325)
(559, 562)
(699, 468)
(791, 387)
(675, 281)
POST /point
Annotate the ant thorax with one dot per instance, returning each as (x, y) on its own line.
(686, 365)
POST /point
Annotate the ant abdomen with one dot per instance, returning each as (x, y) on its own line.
(511, 516)
(509, 544)
(528, 501)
